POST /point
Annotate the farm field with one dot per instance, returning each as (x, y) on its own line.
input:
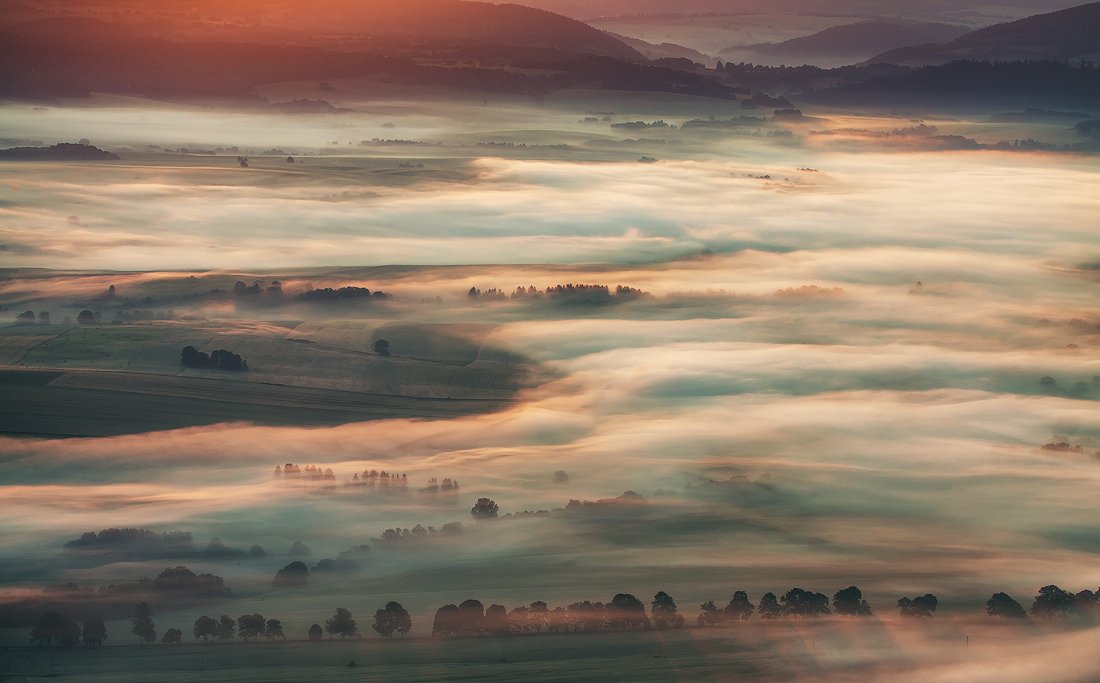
(781, 652)
(106, 380)
(105, 403)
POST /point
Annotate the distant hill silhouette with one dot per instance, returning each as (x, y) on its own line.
(63, 151)
(1072, 33)
(73, 57)
(853, 42)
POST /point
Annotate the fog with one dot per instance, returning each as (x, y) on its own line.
(836, 378)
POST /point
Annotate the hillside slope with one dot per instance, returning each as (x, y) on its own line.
(854, 42)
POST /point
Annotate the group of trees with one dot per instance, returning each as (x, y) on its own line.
(173, 581)
(623, 613)
(141, 315)
(1052, 602)
(53, 628)
(446, 487)
(380, 479)
(259, 294)
(328, 295)
(146, 544)
(419, 533)
(246, 627)
(217, 360)
(568, 294)
(309, 472)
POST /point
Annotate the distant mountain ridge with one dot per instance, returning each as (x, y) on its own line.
(1072, 33)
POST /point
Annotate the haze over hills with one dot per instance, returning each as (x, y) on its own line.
(1068, 34)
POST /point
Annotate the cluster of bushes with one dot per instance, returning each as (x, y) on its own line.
(217, 360)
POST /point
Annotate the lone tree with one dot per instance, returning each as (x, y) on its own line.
(739, 607)
(627, 612)
(274, 629)
(665, 614)
(918, 608)
(392, 617)
(769, 607)
(250, 626)
(142, 623)
(294, 574)
(382, 347)
(496, 620)
(850, 601)
(341, 624)
(316, 632)
(1052, 602)
(446, 622)
(485, 508)
(709, 614)
(205, 628)
(226, 627)
(94, 633)
(1003, 605)
(471, 617)
(172, 636)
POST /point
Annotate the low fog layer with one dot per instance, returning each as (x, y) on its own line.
(851, 364)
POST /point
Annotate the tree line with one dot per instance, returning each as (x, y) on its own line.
(624, 612)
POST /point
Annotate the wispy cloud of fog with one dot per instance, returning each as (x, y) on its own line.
(516, 211)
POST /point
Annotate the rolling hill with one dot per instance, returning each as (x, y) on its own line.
(1068, 34)
(343, 24)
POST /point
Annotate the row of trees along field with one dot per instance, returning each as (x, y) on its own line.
(624, 612)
